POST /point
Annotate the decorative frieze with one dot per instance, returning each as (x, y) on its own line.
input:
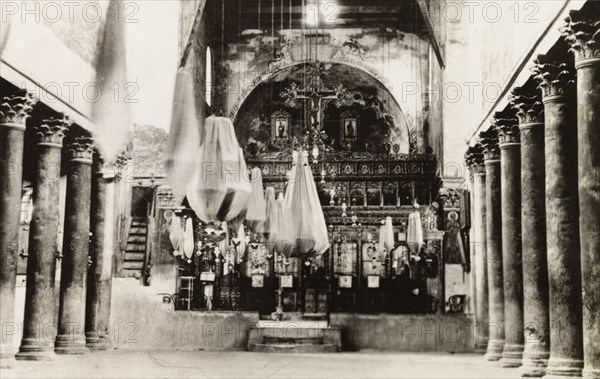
(51, 131)
(581, 31)
(555, 78)
(507, 128)
(529, 106)
(474, 159)
(489, 142)
(15, 109)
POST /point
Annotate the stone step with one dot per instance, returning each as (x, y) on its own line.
(136, 247)
(137, 230)
(133, 265)
(135, 256)
(136, 238)
(140, 222)
(296, 341)
(292, 348)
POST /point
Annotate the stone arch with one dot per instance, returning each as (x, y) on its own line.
(406, 133)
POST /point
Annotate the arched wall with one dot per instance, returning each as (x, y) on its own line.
(406, 130)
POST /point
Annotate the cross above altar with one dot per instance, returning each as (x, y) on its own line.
(315, 91)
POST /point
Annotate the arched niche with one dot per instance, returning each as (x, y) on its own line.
(379, 116)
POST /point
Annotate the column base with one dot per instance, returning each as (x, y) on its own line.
(534, 364)
(494, 350)
(481, 344)
(590, 373)
(97, 343)
(67, 344)
(32, 350)
(512, 356)
(560, 367)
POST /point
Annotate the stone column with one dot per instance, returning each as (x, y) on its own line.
(38, 325)
(512, 263)
(101, 263)
(491, 151)
(530, 111)
(14, 111)
(71, 339)
(475, 160)
(562, 219)
(582, 32)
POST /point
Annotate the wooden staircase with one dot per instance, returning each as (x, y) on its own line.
(135, 252)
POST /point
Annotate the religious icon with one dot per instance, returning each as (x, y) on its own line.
(349, 126)
(280, 127)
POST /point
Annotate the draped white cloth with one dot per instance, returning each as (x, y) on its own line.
(386, 235)
(272, 223)
(188, 239)
(113, 120)
(184, 136)
(219, 189)
(302, 209)
(176, 235)
(414, 234)
(257, 207)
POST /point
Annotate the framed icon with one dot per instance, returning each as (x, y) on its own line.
(280, 126)
(349, 126)
(258, 281)
(345, 281)
(373, 281)
(287, 281)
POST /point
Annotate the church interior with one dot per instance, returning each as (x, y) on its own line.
(394, 182)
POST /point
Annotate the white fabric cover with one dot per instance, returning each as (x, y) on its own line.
(188, 238)
(175, 235)
(272, 223)
(386, 235)
(219, 189)
(308, 234)
(414, 234)
(257, 207)
(184, 136)
(113, 120)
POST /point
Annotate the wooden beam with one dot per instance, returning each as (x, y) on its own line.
(430, 31)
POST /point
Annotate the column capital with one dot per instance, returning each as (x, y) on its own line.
(555, 78)
(81, 149)
(489, 142)
(51, 131)
(581, 31)
(475, 159)
(15, 109)
(507, 127)
(528, 105)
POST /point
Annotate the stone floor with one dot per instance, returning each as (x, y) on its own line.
(199, 364)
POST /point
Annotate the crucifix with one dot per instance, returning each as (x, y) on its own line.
(317, 94)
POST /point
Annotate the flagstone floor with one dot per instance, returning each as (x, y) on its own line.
(199, 364)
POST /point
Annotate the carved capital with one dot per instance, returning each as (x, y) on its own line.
(507, 128)
(529, 106)
(489, 142)
(81, 149)
(555, 78)
(16, 109)
(475, 159)
(582, 32)
(52, 130)
(165, 198)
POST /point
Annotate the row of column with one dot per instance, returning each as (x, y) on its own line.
(536, 183)
(81, 317)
